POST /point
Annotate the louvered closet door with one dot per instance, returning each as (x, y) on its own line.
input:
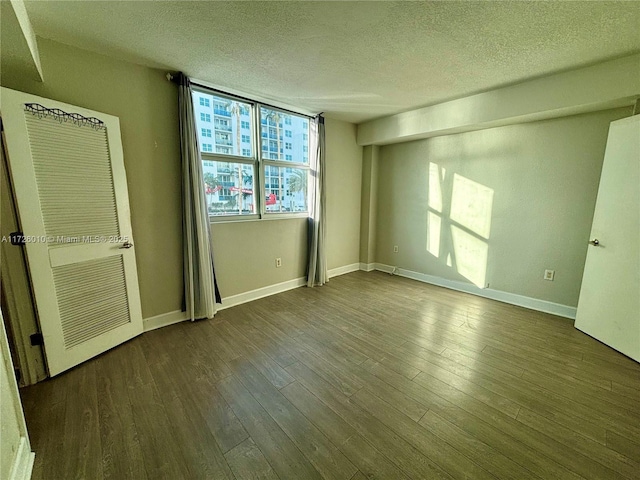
(71, 193)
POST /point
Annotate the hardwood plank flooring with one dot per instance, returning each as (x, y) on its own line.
(370, 376)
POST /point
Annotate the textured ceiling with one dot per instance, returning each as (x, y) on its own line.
(353, 60)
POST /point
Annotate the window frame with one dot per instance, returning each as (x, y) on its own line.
(226, 158)
(264, 162)
(258, 163)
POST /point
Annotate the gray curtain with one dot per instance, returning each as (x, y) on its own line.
(317, 266)
(201, 288)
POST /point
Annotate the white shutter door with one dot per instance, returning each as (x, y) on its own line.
(71, 193)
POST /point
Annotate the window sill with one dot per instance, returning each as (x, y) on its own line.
(257, 218)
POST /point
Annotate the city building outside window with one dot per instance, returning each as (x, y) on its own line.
(232, 172)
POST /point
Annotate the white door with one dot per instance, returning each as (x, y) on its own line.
(609, 304)
(71, 194)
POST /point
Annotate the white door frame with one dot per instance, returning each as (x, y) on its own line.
(20, 314)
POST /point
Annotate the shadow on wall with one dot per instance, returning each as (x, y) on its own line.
(459, 237)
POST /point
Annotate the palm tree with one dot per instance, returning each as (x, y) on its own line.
(211, 182)
(298, 181)
(235, 110)
(275, 117)
(246, 180)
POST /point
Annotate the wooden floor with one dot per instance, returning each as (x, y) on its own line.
(370, 376)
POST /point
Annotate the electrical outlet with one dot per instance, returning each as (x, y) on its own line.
(278, 262)
(395, 249)
(549, 275)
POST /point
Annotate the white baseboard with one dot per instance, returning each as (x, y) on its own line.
(23, 464)
(381, 267)
(367, 267)
(163, 320)
(169, 318)
(334, 272)
(505, 297)
(233, 300)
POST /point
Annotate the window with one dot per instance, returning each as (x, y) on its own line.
(232, 165)
(222, 124)
(286, 177)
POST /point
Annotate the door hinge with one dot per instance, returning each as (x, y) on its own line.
(36, 339)
(17, 238)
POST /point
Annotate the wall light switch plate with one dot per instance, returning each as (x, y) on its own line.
(549, 275)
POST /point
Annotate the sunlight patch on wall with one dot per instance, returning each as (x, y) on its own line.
(471, 205)
(435, 190)
(434, 226)
(471, 256)
(467, 216)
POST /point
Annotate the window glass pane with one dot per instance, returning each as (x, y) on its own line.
(229, 188)
(231, 132)
(286, 189)
(285, 136)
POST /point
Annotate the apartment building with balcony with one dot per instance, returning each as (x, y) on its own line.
(224, 130)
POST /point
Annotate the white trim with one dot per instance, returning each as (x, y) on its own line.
(367, 267)
(251, 295)
(505, 297)
(23, 463)
(163, 320)
(334, 272)
(381, 267)
(177, 316)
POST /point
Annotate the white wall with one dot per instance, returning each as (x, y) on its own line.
(539, 183)
(343, 184)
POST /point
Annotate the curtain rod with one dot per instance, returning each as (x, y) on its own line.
(173, 78)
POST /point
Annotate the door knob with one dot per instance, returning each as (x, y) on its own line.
(127, 245)
(595, 242)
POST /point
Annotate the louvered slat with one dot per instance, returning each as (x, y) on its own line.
(87, 309)
(73, 174)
